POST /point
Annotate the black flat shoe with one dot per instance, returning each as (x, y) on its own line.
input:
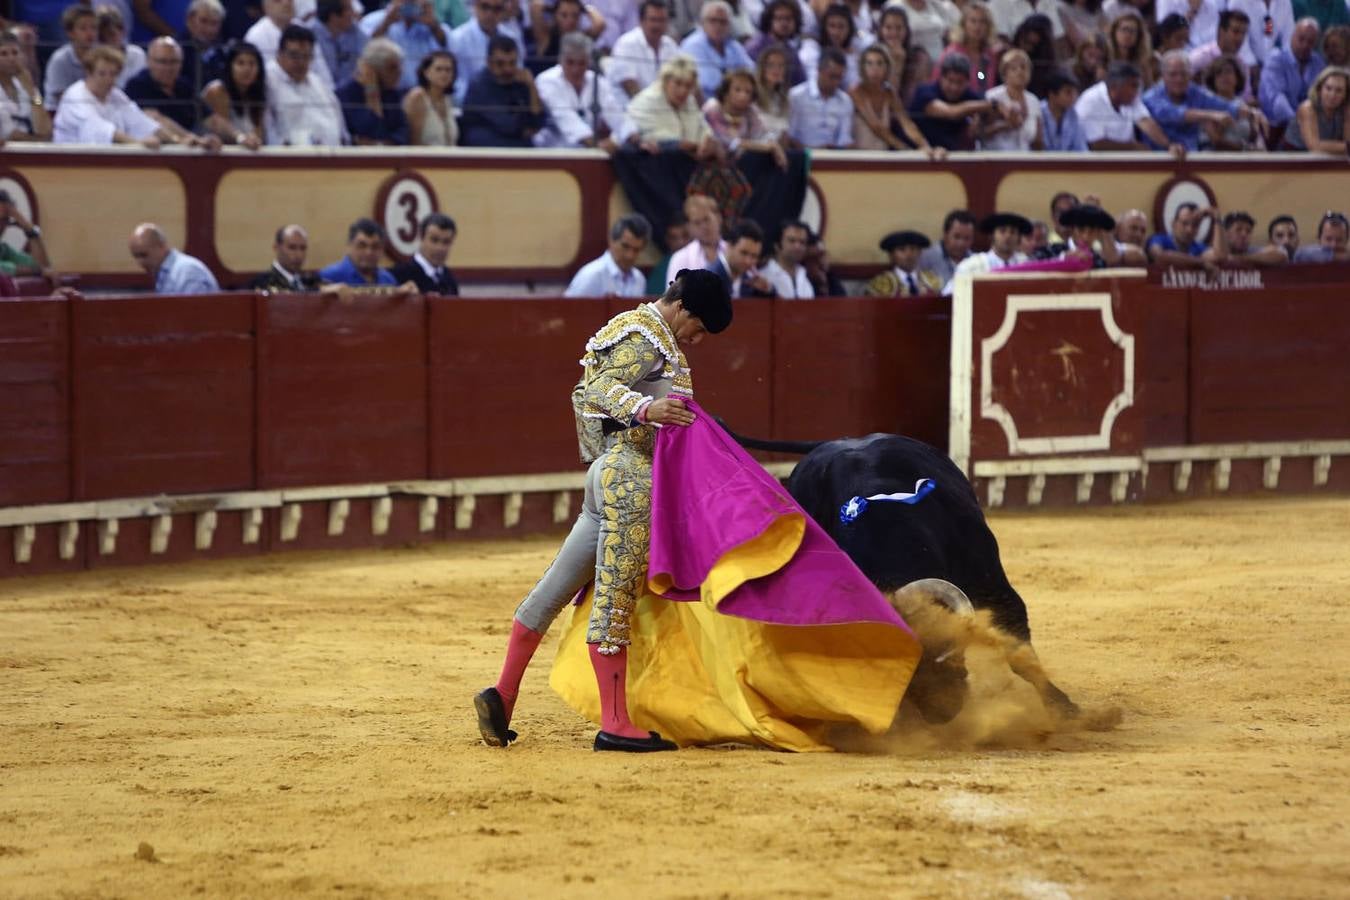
(492, 718)
(653, 744)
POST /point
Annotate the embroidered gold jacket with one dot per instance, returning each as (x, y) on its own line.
(632, 359)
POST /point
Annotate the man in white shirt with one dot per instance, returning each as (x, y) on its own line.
(571, 94)
(469, 43)
(621, 16)
(785, 271)
(705, 224)
(639, 54)
(265, 34)
(302, 110)
(1110, 110)
(1006, 231)
(821, 113)
(615, 273)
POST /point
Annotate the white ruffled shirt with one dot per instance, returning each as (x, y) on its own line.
(82, 118)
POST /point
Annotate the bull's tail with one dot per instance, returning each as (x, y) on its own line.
(749, 443)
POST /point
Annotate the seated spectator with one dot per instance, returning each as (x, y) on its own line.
(66, 66)
(361, 266)
(501, 106)
(470, 44)
(112, 32)
(161, 90)
(1005, 231)
(1174, 33)
(712, 47)
(427, 269)
(237, 102)
(1331, 241)
(1062, 202)
(1321, 125)
(785, 271)
(665, 115)
(287, 274)
(1283, 235)
(878, 113)
(639, 55)
(1010, 15)
(268, 34)
(204, 50)
(1336, 46)
(1289, 74)
(1272, 25)
(1089, 63)
(1225, 79)
(1083, 22)
(96, 111)
(20, 101)
(838, 31)
(15, 262)
(1182, 108)
(413, 27)
(1231, 39)
(958, 234)
(575, 98)
(1034, 244)
(910, 63)
(430, 107)
(771, 91)
(1202, 19)
(735, 122)
(1034, 37)
(945, 109)
(1111, 112)
(1127, 40)
(817, 262)
(677, 236)
(174, 272)
(1131, 228)
(302, 109)
(705, 225)
(780, 24)
(821, 113)
(339, 38)
(552, 25)
(615, 272)
(1014, 121)
(930, 20)
(1060, 128)
(904, 278)
(736, 265)
(1181, 249)
(372, 104)
(1233, 245)
(973, 41)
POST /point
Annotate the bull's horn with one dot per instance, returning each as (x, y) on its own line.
(944, 592)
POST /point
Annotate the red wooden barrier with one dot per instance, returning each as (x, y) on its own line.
(34, 402)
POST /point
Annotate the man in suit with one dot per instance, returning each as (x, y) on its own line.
(736, 266)
(427, 268)
(287, 275)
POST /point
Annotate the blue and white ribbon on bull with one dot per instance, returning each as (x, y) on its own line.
(857, 505)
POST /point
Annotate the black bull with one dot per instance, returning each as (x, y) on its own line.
(944, 536)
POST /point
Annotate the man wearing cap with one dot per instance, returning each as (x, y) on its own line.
(634, 379)
(1006, 230)
(905, 278)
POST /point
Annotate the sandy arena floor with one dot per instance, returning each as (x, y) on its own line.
(301, 725)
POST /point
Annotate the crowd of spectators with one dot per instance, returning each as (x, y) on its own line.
(713, 78)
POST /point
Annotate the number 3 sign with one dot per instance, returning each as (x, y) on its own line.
(403, 201)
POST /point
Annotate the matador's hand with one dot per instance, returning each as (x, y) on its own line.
(669, 411)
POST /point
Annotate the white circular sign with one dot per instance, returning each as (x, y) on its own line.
(13, 235)
(406, 204)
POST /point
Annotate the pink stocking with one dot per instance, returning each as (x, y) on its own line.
(611, 674)
(519, 652)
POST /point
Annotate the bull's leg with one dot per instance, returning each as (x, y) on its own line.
(1025, 663)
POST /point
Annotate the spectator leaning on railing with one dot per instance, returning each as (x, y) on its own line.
(236, 103)
(21, 102)
(161, 90)
(1181, 248)
(96, 111)
(666, 115)
(1111, 111)
(1332, 231)
(16, 262)
(1183, 109)
(1321, 124)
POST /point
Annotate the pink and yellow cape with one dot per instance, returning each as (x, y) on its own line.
(755, 627)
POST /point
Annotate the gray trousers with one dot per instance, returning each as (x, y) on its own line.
(572, 568)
